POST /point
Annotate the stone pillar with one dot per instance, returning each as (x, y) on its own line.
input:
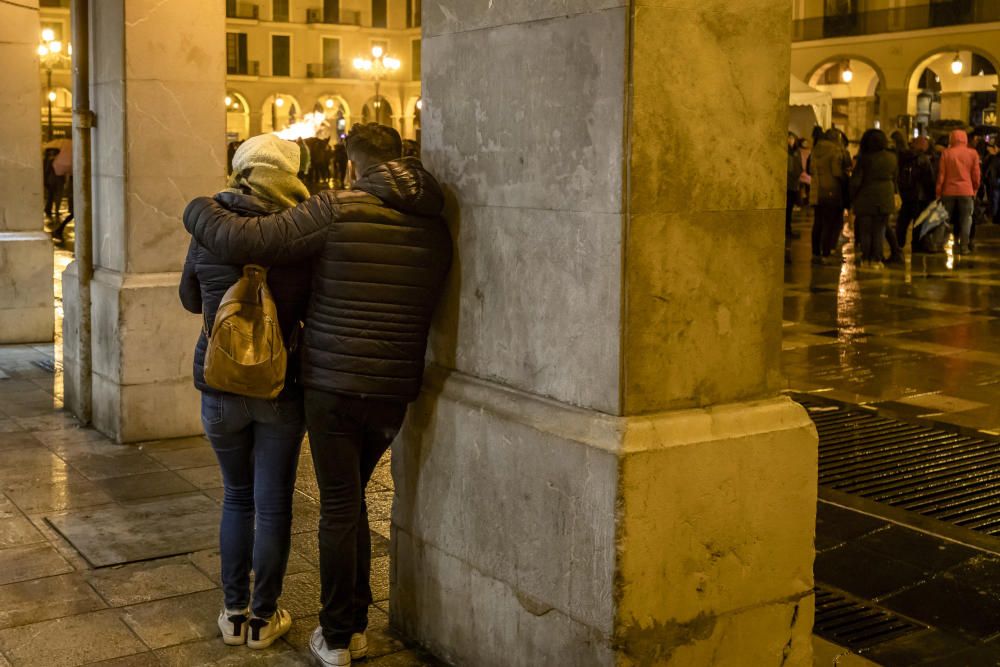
(601, 470)
(955, 106)
(26, 308)
(158, 82)
(860, 116)
(892, 105)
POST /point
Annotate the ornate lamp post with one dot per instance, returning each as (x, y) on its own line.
(50, 53)
(378, 67)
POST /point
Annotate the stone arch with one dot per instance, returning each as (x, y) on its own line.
(386, 114)
(237, 116)
(922, 63)
(826, 62)
(331, 103)
(280, 111)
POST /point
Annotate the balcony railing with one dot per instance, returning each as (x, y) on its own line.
(323, 70)
(248, 68)
(242, 10)
(919, 17)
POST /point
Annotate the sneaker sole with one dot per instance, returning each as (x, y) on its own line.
(359, 654)
(323, 662)
(232, 640)
(264, 643)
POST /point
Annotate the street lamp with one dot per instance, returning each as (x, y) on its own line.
(50, 54)
(378, 67)
(848, 74)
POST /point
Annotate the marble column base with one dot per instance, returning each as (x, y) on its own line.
(27, 313)
(143, 342)
(527, 532)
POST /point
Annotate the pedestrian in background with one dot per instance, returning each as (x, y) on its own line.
(792, 184)
(957, 183)
(830, 164)
(916, 185)
(873, 192)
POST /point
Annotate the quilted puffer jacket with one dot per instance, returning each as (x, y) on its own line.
(206, 278)
(382, 253)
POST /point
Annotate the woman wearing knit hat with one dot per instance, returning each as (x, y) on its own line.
(256, 441)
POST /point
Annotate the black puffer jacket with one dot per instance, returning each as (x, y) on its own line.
(206, 278)
(383, 252)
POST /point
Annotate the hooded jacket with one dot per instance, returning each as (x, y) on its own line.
(382, 252)
(829, 165)
(958, 171)
(206, 277)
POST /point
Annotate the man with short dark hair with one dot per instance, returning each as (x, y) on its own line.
(382, 252)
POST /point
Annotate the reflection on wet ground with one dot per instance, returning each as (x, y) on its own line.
(920, 341)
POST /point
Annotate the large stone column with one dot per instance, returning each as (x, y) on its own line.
(601, 470)
(158, 83)
(26, 310)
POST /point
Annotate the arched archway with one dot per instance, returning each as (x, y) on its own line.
(855, 83)
(377, 110)
(237, 116)
(956, 83)
(279, 111)
(337, 112)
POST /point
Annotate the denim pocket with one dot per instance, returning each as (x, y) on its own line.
(288, 411)
(211, 408)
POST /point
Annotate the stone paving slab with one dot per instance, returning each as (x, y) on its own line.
(152, 580)
(44, 599)
(31, 562)
(141, 531)
(70, 641)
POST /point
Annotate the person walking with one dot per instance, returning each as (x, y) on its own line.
(256, 441)
(957, 183)
(792, 185)
(916, 185)
(830, 165)
(382, 251)
(873, 191)
(991, 176)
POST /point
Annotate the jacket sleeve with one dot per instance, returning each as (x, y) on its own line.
(285, 237)
(857, 178)
(190, 287)
(977, 175)
(939, 187)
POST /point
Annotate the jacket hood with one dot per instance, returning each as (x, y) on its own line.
(958, 138)
(404, 185)
(244, 204)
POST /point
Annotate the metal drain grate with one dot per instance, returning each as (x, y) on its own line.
(855, 624)
(942, 474)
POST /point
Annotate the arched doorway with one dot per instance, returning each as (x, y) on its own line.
(952, 87)
(279, 111)
(855, 84)
(338, 114)
(237, 117)
(377, 110)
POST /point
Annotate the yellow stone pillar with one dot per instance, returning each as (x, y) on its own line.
(158, 85)
(601, 470)
(26, 307)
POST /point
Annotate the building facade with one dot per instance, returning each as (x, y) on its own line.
(907, 64)
(286, 58)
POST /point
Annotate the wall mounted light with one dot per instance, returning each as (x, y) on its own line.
(957, 65)
(848, 74)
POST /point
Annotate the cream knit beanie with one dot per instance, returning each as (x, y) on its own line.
(269, 151)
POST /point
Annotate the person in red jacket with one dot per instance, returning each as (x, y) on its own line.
(957, 183)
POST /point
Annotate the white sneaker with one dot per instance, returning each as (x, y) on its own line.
(331, 657)
(233, 623)
(359, 645)
(265, 631)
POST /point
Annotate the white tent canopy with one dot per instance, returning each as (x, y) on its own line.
(809, 107)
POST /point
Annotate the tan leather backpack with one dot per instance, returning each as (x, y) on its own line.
(246, 354)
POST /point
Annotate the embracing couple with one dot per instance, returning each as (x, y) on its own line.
(354, 276)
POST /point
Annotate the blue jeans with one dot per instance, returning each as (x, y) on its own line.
(960, 215)
(257, 444)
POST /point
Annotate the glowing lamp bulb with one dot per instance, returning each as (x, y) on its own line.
(69, 49)
(420, 104)
(279, 102)
(329, 104)
(377, 51)
(55, 47)
(48, 35)
(957, 65)
(229, 101)
(43, 50)
(52, 96)
(847, 75)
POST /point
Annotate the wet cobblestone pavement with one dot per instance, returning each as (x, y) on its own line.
(58, 610)
(920, 343)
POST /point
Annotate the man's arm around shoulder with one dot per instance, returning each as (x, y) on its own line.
(280, 238)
